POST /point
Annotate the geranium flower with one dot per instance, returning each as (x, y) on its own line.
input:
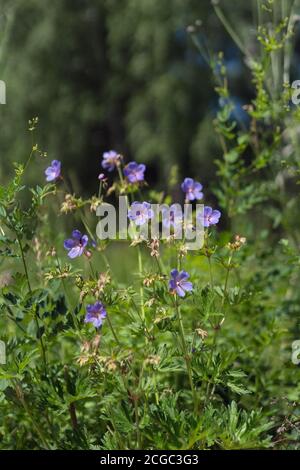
(210, 216)
(140, 212)
(53, 172)
(110, 160)
(95, 314)
(179, 283)
(172, 216)
(76, 245)
(192, 189)
(134, 172)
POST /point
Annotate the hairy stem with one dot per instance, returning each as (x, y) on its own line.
(229, 28)
(140, 261)
(27, 408)
(186, 355)
(112, 330)
(30, 291)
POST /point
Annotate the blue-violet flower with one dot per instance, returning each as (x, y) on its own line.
(210, 216)
(140, 212)
(76, 245)
(53, 172)
(110, 160)
(192, 189)
(134, 172)
(179, 283)
(95, 314)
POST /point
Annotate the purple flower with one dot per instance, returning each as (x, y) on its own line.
(192, 189)
(140, 212)
(53, 172)
(172, 216)
(134, 172)
(210, 216)
(76, 245)
(179, 284)
(95, 314)
(110, 160)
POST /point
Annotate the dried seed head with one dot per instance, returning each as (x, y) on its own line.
(202, 333)
(154, 246)
(51, 252)
(37, 248)
(237, 243)
(151, 279)
(95, 203)
(70, 204)
(183, 251)
(150, 302)
(152, 360)
(103, 281)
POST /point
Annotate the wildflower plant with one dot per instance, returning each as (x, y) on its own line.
(184, 351)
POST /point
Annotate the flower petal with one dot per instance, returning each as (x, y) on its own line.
(70, 243)
(187, 286)
(180, 291)
(76, 234)
(75, 252)
(174, 273)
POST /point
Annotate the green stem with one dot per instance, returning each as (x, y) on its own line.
(75, 319)
(35, 423)
(229, 28)
(141, 283)
(208, 255)
(112, 330)
(11, 317)
(227, 279)
(24, 262)
(186, 355)
(288, 45)
(210, 273)
(137, 424)
(218, 325)
(259, 13)
(105, 261)
(120, 174)
(146, 330)
(30, 291)
(33, 149)
(92, 269)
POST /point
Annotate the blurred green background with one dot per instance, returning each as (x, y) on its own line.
(120, 74)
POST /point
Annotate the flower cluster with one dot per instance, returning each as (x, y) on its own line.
(139, 213)
(237, 243)
(70, 204)
(134, 172)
